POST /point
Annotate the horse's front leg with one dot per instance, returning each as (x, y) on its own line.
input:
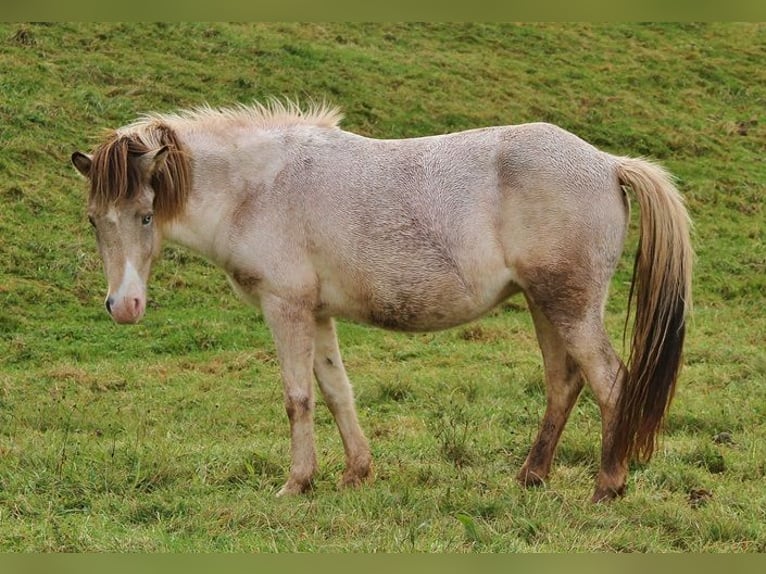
(293, 328)
(331, 374)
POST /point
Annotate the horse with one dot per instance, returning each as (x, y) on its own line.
(312, 223)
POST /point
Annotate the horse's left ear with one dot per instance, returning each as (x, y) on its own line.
(82, 162)
(153, 160)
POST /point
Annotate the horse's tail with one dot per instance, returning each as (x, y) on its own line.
(661, 286)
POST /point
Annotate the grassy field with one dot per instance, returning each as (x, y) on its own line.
(171, 435)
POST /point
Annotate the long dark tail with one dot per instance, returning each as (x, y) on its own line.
(661, 286)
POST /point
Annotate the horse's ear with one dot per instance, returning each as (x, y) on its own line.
(153, 160)
(82, 162)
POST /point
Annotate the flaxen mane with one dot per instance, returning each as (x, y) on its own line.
(115, 173)
(274, 114)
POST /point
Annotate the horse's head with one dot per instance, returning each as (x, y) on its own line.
(139, 180)
(121, 209)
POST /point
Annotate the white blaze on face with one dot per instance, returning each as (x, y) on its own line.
(128, 303)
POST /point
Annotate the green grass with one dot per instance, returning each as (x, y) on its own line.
(171, 435)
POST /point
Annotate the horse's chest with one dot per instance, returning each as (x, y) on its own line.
(246, 285)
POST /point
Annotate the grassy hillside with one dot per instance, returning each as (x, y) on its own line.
(171, 435)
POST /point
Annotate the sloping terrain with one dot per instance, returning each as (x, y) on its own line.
(171, 435)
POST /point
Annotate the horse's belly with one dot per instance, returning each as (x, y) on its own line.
(417, 307)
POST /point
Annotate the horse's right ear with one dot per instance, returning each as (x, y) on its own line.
(82, 162)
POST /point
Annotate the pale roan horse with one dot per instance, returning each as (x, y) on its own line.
(311, 222)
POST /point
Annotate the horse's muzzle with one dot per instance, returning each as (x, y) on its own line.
(125, 310)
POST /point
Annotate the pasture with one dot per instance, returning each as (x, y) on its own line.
(171, 435)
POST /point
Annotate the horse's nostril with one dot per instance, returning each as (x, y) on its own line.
(108, 304)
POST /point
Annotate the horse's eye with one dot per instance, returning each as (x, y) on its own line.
(147, 219)
(91, 221)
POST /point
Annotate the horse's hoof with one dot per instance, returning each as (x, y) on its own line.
(293, 488)
(529, 479)
(355, 479)
(607, 494)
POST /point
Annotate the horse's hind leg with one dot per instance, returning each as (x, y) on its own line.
(573, 305)
(563, 382)
(590, 345)
(335, 386)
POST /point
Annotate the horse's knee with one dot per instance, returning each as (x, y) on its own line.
(298, 407)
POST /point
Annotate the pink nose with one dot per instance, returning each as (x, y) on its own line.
(127, 310)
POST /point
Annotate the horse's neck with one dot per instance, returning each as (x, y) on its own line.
(224, 170)
(194, 230)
